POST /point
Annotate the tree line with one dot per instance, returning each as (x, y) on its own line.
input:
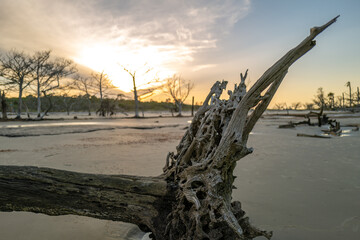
(347, 100)
(54, 83)
(79, 103)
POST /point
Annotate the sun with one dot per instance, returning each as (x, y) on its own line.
(111, 59)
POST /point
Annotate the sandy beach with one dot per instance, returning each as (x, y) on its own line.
(299, 187)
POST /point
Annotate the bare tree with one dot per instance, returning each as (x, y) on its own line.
(296, 105)
(338, 101)
(47, 74)
(68, 100)
(331, 100)
(132, 73)
(178, 89)
(102, 83)
(145, 90)
(309, 106)
(192, 198)
(319, 99)
(86, 86)
(348, 84)
(15, 69)
(279, 106)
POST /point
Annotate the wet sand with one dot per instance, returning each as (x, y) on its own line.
(301, 188)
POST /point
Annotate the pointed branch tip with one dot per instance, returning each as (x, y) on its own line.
(317, 30)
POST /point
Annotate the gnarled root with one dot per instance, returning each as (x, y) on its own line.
(203, 165)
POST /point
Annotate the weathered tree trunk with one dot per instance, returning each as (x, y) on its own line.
(18, 115)
(192, 107)
(136, 98)
(192, 199)
(49, 108)
(179, 105)
(27, 110)
(89, 106)
(139, 200)
(101, 90)
(350, 96)
(3, 105)
(38, 98)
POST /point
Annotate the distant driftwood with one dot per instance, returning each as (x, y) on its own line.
(192, 198)
(313, 136)
(334, 126)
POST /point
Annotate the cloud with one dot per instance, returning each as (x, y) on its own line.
(101, 34)
(177, 27)
(202, 67)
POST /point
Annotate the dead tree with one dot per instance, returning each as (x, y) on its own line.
(296, 105)
(102, 83)
(3, 105)
(15, 69)
(85, 86)
(144, 91)
(192, 198)
(320, 98)
(348, 84)
(48, 97)
(107, 107)
(47, 74)
(68, 101)
(178, 89)
(331, 99)
(318, 115)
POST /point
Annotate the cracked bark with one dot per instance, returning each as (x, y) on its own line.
(192, 198)
(133, 199)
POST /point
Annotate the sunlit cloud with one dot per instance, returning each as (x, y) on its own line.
(202, 67)
(103, 35)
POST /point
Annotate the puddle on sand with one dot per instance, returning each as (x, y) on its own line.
(348, 132)
(50, 124)
(87, 123)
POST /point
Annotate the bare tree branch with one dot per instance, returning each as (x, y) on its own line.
(47, 74)
(15, 69)
(178, 89)
(144, 91)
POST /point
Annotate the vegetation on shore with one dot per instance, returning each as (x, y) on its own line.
(69, 104)
(45, 83)
(348, 100)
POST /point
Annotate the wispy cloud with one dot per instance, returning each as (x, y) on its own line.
(166, 33)
(202, 67)
(66, 24)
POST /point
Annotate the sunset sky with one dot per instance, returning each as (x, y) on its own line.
(204, 41)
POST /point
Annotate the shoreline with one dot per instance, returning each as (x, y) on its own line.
(301, 188)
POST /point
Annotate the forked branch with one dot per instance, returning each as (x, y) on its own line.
(206, 156)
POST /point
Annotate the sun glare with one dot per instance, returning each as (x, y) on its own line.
(110, 59)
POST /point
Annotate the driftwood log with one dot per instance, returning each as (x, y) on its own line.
(192, 198)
